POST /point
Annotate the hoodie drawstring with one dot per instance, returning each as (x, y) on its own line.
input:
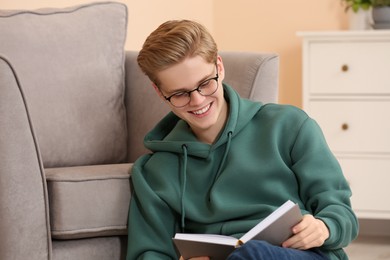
(184, 175)
(184, 184)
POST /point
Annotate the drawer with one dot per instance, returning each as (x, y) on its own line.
(354, 126)
(349, 68)
(369, 180)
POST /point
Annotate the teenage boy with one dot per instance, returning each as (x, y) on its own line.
(221, 163)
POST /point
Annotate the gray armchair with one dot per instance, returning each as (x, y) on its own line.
(74, 108)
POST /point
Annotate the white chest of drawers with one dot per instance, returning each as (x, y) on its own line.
(346, 89)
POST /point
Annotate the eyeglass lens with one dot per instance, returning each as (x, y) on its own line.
(207, 88)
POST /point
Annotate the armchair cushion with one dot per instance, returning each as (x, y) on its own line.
(88, 201)
(70, 63)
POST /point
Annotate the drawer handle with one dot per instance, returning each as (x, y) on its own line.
(344, 68)
(345, 126)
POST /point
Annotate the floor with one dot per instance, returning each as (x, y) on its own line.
(369, 248)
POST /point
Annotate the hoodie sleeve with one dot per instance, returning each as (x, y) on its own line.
(151, 223)
(323, 187)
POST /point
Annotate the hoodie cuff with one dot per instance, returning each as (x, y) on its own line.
(334, 233)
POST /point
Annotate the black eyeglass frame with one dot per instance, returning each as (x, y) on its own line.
(196, 89)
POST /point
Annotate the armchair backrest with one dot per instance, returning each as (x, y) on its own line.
(253, 75)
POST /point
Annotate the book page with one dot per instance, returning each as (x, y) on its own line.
(280, 222)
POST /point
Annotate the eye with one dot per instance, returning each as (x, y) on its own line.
(180, 94)
(205, 83)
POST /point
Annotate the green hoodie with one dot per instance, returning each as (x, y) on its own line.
(265, 155)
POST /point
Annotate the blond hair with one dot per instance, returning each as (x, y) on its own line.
(172, 42)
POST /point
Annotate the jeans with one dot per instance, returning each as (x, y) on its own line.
(259, 250)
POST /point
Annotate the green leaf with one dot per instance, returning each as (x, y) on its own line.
(355, 7)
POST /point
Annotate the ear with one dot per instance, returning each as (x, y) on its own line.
(158, 91)
(221, 68)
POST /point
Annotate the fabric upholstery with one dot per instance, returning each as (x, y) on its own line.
(102, 248)
(247, 69)
(71, 64)
(88, 201)
(141, 102)
(24, 223)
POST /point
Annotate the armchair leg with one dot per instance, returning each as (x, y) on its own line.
(24, 218)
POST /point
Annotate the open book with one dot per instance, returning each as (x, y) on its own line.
(275, 229)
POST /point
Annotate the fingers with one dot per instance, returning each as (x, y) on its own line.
(309, 233)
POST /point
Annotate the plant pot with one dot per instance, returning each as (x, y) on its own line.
(360, 20)
(381, 17)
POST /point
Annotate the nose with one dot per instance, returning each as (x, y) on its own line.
(196, 98)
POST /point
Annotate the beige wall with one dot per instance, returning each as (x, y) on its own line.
(249, 25)
(262, 25)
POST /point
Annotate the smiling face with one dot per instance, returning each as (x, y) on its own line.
(206, 115)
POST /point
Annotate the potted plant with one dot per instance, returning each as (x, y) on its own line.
(356, 5)
(381, 14)
(359, 13)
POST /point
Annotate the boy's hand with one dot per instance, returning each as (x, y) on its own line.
(308, 233)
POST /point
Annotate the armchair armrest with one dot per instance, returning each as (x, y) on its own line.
(254, 75)
(24, 221)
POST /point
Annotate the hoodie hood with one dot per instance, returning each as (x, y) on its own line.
(172, 132)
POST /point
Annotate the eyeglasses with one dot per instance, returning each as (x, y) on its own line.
(206, 88)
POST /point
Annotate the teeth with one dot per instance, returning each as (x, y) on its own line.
(201, 111)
